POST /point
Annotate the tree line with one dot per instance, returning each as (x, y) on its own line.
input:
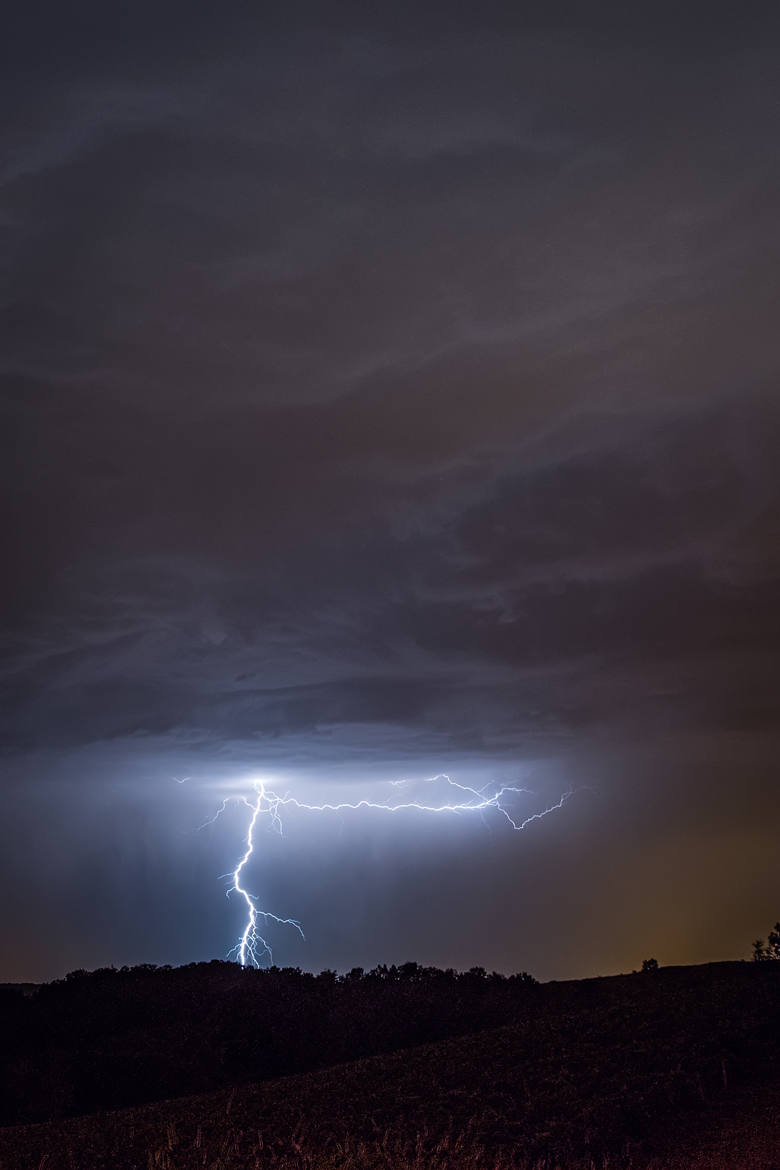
(112, 1038)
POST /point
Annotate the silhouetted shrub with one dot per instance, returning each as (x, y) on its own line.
(769, 949)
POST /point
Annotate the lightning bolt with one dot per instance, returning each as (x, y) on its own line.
(252, 948)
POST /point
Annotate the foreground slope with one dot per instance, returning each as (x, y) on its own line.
(670, 1069)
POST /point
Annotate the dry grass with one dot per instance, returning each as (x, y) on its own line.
(747, 1138)
(739, 1132)
(738, 1147)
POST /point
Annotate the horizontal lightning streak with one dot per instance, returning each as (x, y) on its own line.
(252, 948)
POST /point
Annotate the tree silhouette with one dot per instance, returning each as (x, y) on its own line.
(770, 949)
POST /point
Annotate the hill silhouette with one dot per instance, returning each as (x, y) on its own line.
(580, 1071)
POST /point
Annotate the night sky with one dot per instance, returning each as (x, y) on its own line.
(385, 395)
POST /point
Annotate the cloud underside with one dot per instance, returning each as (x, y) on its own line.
(431, 395)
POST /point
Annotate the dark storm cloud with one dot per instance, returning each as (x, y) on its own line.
(394, 389)
(653, 556)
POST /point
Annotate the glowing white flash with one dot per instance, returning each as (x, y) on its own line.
(252, 948)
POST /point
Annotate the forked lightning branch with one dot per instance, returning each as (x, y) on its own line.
(267, 806)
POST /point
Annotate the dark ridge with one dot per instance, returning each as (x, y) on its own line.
(115, 1038)
(626, 1070)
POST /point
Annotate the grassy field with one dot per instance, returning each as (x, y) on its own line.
(281, 1126)
(674, 1070)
